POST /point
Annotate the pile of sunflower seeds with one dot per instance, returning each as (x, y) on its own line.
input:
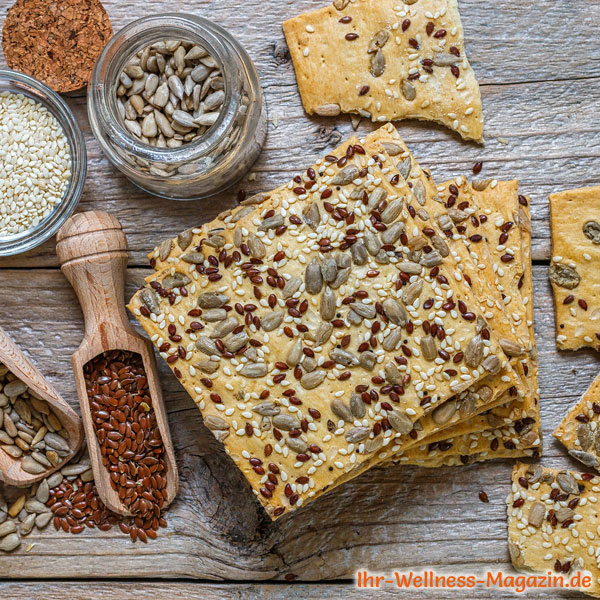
(29, 430)
(170, 93)
(23, 510)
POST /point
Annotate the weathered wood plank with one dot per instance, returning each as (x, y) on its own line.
(216, 591)
(382, 520)
(551, 128)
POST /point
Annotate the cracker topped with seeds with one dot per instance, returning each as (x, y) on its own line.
(553, 522)
(386, 60)
(579, 431)
(305, 347)
(574, 273)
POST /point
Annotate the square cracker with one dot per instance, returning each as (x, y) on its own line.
(553, 523)
(257, 389)
(420, 46)
(575, 267)
(579, 431)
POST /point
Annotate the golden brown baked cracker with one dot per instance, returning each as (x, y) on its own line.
(553, 523)
(305, 396)
(386, 60)
(574, 269)
(578, 432)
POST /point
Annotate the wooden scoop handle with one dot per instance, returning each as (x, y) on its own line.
(92, 250)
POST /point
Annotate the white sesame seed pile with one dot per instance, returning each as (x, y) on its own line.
(35, 163)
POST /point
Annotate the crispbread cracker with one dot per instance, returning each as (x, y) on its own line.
(579, 432)
(574, 270)
(553, 523)
(237, 255)
(516, 427)
(426, 74)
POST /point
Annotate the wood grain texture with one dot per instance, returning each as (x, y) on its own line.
(220, 591)
(540, 75)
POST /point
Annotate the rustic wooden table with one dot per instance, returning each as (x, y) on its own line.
(539, 67)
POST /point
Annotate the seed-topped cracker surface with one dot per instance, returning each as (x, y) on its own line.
(574, 272)
(553, 522)
(298, 337)
(386, 60)
(579, 431)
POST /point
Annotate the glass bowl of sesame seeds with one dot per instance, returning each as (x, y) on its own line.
(42, 162)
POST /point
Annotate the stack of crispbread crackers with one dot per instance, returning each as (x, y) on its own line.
(355, 316)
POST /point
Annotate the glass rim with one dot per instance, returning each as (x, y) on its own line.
(21, 83)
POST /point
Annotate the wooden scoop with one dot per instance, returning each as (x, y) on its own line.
(92, 250)
(20, 366)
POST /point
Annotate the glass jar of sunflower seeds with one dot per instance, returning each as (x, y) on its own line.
(176, 105)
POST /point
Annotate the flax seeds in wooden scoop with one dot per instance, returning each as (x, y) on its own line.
(123, 413)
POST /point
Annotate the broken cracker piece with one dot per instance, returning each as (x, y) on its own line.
(574, 269)
(579, 431)
(386, 60)
(553, 522)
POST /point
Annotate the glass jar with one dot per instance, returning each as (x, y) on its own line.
(201, 168)
(19, 83)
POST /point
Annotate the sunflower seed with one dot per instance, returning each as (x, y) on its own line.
(377, 196)
(329, 269)
(399, 422)
(343, 357)
(10, 542)
(589, 460)
(510, 348)
(457, 215)
(285, 422)
(392, 233)
(367, 360)
(312, 216)
(294, 353)
(328, 110)
(359, 253)
(272, 320)
(357, 434)
(176, 280)
(257, 248)
(474, 352)
(372, 242)
(215, 423)
(394, 312)
(428, 348)
(207, 346)
(341, 410)
(253, 370)
(411, 292)
(328, 305)
(391, 148)
(313, 278)
(234, 342)
(391, 341)
(345, 175)
(214, 314)
(404, 167)
(43, 491)
(212, 300)
(366, 311)
(591, 230)
(297, 445)
(392, 211)
(15, 388)
(312, 380)
(492, 364)
(29, 465)
(408, 90)
(271, 223)
(568, 483)
(442, 59)
(537, 512)
(377, 63)
(324, 332)
(564, 276)
(291, 286)
(431, 259)
(194, 258)
(224, 328)
(7, 527)
(357, 406)
(442, 414)
(267, 409)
